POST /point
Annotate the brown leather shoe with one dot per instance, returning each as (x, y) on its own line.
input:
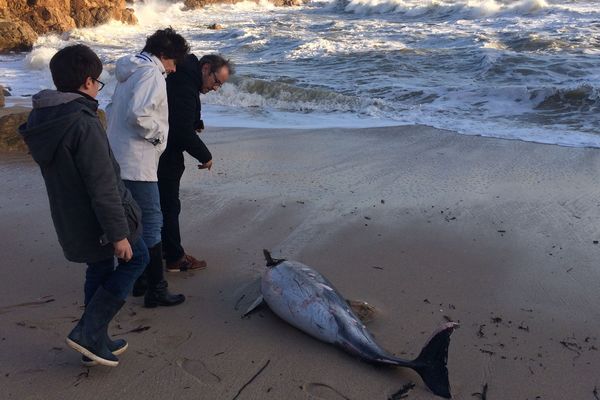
(186, 263)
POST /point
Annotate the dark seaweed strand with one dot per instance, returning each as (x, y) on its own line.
(403, 392)
(251, 379)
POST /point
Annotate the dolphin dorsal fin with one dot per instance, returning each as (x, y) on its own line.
(271, 262)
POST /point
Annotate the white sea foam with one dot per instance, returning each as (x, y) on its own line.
(154, 13)
(39, 58)
(260, 5)
(319, 47)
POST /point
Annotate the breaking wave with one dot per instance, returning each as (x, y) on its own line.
(446, 9)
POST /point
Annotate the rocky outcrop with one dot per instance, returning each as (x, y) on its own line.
(16, 36)
(215, 27)
(194, 4)
(288, 3)
(11, 119)
(47, 16)
(97, 12)
(1, 96)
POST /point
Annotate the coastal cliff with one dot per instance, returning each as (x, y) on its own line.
(22, 20)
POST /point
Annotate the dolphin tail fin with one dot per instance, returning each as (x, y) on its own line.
(431, 363)
(271, 262)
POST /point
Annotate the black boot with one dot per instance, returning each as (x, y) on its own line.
(157, 293)
(115, 346)
(89, 337)
(140, 286)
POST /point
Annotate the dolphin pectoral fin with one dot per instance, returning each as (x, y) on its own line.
(255, 304)
(363, 310)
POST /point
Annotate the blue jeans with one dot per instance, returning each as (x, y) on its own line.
(116, 280)
(147, 196)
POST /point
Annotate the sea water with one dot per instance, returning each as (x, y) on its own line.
(522, 69)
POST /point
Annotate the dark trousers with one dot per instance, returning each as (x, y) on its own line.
(168, 187)
(118, 280)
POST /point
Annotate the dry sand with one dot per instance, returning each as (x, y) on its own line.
(424, 225)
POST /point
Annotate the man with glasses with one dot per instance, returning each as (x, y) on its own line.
(193, 77)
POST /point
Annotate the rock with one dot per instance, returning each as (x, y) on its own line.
(6, 91)
(1, 96)
(215, 27)
(10, 139)
(128, 17)
(194, 4)
(12, 118)
(102, 117)
(45, 16)
(97, 12)
(91, 16)
(287, 3)
(48, 18)
(16, 36)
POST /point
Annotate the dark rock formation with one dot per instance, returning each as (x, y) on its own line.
(10, 120)
(16, 36)
(23, 19)
(215, 27)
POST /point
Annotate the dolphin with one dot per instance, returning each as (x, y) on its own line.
(305, 299)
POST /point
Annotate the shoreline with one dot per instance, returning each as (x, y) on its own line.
(425, 225)
(19, 104)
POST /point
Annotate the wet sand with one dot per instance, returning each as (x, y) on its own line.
(424, 225)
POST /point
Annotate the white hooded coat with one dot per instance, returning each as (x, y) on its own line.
(138, 116)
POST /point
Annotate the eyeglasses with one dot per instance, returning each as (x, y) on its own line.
(101, 84)
(218, 83)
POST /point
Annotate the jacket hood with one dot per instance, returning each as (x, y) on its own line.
(51, 98)
(126, 66)
(189, 71)
(53, 115)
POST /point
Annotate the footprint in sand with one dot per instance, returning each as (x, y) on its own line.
(198, 370)
(322, 391)
(173, 341)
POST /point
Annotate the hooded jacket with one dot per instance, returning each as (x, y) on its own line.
(183, 91)
(90, 206)
(138, 116)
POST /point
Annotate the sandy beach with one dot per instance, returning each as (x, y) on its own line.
(425, 225)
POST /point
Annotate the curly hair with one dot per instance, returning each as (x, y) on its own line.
(168, 44)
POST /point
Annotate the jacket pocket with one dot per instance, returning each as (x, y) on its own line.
(133, 214)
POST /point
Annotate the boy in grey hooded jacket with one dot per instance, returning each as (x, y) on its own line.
(94, 215)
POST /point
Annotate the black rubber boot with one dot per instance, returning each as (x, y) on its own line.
(157, 293)
(89, 337)
(140, 286)
(115, 346)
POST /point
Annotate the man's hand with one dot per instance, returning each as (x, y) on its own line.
(206, 165)
(123, 250)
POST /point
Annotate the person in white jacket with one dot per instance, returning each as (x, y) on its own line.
(138, 125)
